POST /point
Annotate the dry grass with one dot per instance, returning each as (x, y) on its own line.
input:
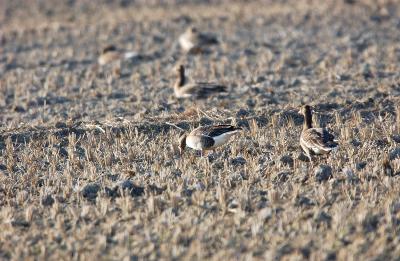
(89, 163)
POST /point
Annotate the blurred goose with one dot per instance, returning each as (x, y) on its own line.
(198, 90)
(111, 54)
(207, 137)
(194, 41)
(315, 140)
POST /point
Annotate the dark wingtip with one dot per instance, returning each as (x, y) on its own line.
(334, 145)
(220, 88)
(232, 128)
(213, 41)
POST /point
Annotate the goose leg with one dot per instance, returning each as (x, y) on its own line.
(308, 154)
(309, 157)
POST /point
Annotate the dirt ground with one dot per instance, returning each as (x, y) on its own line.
(89, 166)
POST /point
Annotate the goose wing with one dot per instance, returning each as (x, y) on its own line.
(206, 141)
(217, 130)
(328, 137)
(211, 87)
(202, 90)
(318, 139)
(206, 39)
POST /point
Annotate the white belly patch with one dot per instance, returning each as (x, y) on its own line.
(222, 139)
(193, 142)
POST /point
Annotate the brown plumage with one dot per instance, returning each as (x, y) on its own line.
(207, 137)
(194, 41)
(111, 54)
(108, 55)
(197, 90)
(315, 141)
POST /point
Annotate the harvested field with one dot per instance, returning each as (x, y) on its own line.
(89, 161)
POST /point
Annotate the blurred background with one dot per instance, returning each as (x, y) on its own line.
(270, 53)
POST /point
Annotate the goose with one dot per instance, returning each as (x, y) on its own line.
(111, 54)
(194, 41)
(315, 141)
(206, 138)
(197, 90)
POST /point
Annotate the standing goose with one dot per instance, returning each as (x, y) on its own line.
(194, 41)
(207, 137)
(111, 54)
(315, 140)
(198, 90)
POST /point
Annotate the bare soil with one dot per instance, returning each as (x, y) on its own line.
(89, 166)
